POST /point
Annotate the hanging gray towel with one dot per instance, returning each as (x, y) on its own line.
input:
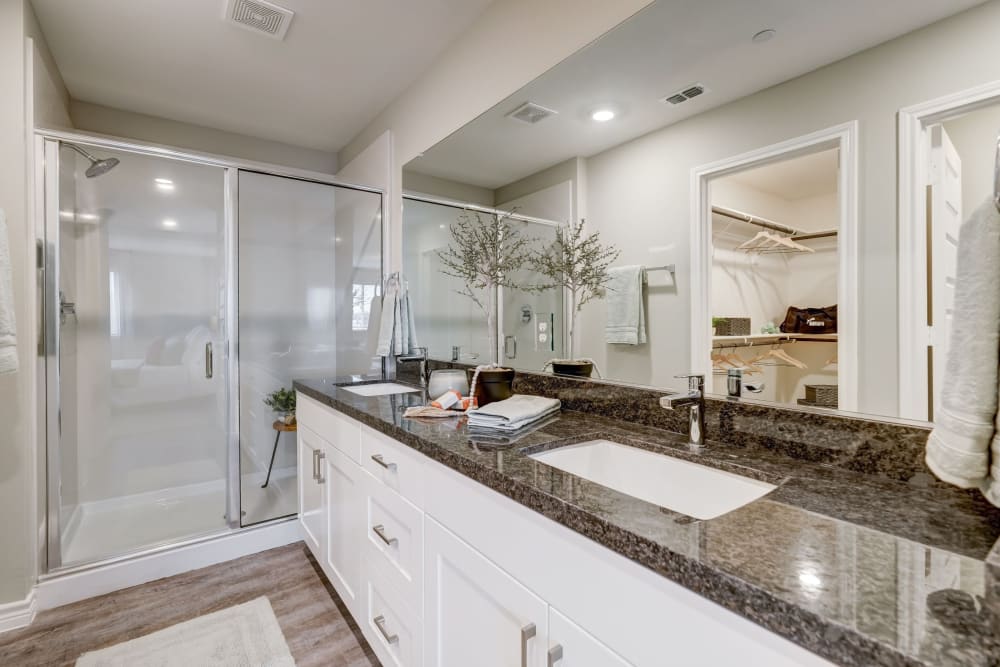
(8, 330)
(964, 447)
(626, 321)
(397, 333)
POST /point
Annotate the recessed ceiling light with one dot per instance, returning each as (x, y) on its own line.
(164, 184)
(603, 115)
(441, 226)
(170, 223)
(764, 36)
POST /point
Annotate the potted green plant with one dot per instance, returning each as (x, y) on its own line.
(577, 263)
(282, 401)
(484, 253)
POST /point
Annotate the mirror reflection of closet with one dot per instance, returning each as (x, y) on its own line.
(774, 246)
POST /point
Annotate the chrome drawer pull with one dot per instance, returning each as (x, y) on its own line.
(379, 459)
(315, 453)
(527, 632)
(380, 624)
(380, 531)
(319, 468)
(555, 655)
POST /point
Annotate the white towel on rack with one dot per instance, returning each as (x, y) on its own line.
(964, 447)
(397, 332)
(626, 319)
(8, 330)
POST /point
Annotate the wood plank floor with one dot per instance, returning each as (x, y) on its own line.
(316, 625)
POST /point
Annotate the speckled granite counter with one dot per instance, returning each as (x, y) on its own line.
(860, 569)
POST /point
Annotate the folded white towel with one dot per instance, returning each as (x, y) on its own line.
(626, 322)
(8, 330)
(512, 413)
(964, 447)
(397, 332)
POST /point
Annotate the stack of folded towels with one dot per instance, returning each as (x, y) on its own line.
(513, 413)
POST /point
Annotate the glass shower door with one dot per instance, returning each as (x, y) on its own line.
(309, 267)
(137, 423)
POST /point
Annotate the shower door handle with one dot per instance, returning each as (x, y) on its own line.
(209, 361)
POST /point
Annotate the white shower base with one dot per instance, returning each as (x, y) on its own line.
(105, 528)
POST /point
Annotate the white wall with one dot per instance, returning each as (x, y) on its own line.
(457, 88)
(446, 189)
(641, 189)
(32, 92)
(119, 123)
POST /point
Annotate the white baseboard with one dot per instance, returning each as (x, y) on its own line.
(18, 614)
(60, 589)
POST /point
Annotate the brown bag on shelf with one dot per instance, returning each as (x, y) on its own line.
(810, 320)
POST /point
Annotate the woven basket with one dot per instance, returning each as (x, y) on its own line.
(732, 326)
(822, 394)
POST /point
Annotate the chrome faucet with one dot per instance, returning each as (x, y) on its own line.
(694, 399)
(419, 354)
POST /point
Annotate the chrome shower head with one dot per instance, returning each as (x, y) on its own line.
(101, 167)
(97, 166)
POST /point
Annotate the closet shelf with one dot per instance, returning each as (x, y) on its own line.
(770, 339)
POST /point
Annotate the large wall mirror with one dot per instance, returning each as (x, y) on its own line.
(791, 182)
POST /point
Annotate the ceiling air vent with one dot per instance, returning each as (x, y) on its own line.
(259, 16)
(531, 113)
(693, 90)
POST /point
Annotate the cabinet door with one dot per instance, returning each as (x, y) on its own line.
(572, 646)
(341, 478)
(312, 504)
(475, 613)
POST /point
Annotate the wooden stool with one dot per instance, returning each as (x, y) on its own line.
(280, 427)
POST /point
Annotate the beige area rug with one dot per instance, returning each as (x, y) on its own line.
(247, 635)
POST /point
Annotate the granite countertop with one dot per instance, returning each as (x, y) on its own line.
(860, 569)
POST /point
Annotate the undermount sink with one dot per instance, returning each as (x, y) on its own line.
(380, 389)
(689, 488)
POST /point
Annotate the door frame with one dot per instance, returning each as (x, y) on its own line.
(46, 222)
(914, 177)
(845, 138)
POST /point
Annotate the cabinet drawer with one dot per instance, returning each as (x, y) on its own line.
(339, 430)
(395, 540)
(393, 630)
(394, 464)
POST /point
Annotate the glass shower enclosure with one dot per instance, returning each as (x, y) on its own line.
(531, 331)
(177, 292)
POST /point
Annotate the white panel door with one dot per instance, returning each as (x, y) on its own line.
(475, 613)
(945, 221)
(342, 478)
(572, 646)
(312, 501)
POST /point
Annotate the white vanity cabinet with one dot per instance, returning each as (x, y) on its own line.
(345, 506)
(312, 500)
(439, 570)
(477, 614)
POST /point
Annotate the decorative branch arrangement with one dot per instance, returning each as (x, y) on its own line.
(578, 263)
(485, 252)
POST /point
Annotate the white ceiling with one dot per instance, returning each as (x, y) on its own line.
(340, 64)
(803, 177)
(665, 48)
